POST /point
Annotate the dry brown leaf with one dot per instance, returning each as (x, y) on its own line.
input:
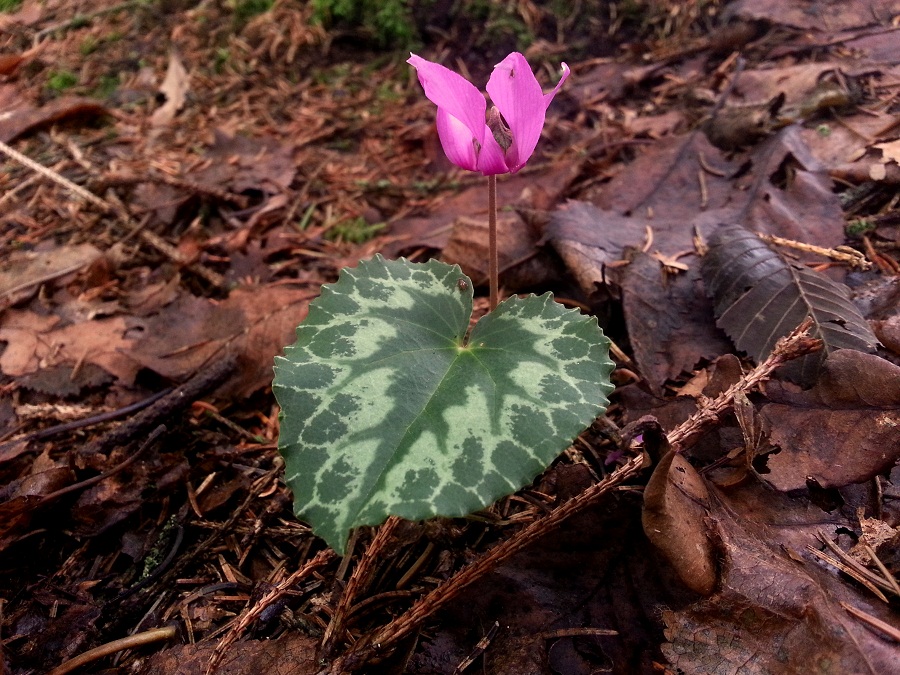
(9, 63)
(879, 537)
(888, 332)
(840, 432)
(15, 123)
(522, 264)
(174, 87)
(291, 654)
(35, 343)
(19, 497)
(829, 16)
(23, 272)
(832, 448)
(241, 164)
(670, 321)
(890, 151)
(676, 501)
(29, 14)
(776, 611)
(118, 497)
(664, 182)
(795, 81)
(256, 322)
(538, 191)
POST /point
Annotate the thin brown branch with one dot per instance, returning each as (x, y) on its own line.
(872, 621)
(119, 211)
(360, 578)
(792, 346)
(114, 647)
(845, 254)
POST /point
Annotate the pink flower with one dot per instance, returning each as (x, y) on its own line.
(490, 145)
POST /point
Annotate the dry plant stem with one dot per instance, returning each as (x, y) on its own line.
(386, 638)
(849, 570)
(885, 572)
(55, 177)
(360, 578)
(852, 567)
(84, 19)
(252, 613)
(493, 263)
(130, 642)
(181, 561)
(790, 347)
(853, 258)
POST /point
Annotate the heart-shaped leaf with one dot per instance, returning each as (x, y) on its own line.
(387, 409)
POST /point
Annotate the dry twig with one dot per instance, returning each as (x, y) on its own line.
(130, 642)
(360, 578)
(845, 254)
(792, 346)
(117, 210)
(251, 614)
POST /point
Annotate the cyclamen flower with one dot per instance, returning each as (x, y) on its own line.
(492, 144)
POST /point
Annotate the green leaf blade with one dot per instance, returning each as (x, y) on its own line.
(387, 412)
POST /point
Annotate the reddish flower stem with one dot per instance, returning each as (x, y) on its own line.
(493, 269)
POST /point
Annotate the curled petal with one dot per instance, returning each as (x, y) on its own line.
(548, 97)
(459, 145)
(468, 141)
(492, 159)
(454, 95)
(518, 96)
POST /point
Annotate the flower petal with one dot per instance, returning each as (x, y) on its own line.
(565, 75)
(518, 96)
(454, 95)
(491, 159)
(457, 141)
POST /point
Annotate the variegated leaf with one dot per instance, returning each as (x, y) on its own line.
(387, 409)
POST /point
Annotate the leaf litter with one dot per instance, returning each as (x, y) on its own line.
(168, 304)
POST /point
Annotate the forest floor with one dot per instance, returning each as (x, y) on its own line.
(180, 178)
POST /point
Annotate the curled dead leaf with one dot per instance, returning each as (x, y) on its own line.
(676, 503)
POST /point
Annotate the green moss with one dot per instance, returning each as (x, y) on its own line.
(859, 227)
(60, 80)
(244, 10)
(355, 231)
(93, 43)
(508, 25)
(9, 5)
(388, 21)
(89, 45)
(223, 56)
(107, 85)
